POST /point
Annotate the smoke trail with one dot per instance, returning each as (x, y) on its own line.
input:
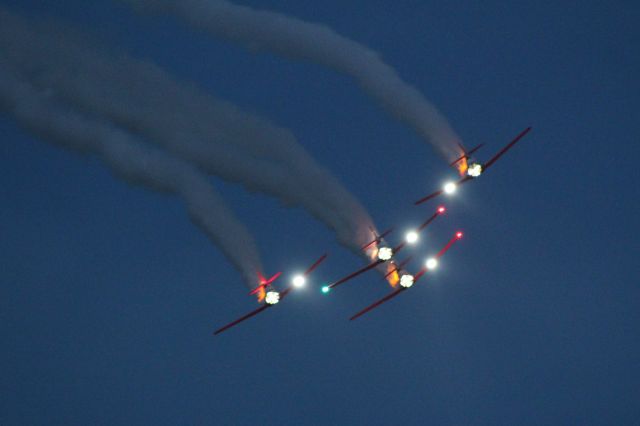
(219, 138)
(297, 39)
(133, 162)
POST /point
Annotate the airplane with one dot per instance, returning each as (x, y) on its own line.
(473, 170)
(385, 253)
(407, 280)
(273, 297)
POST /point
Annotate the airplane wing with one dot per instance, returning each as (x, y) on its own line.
(426, 223)
(239, 320)
(458, 235)
(389, 296)
(433, 217)
(399, 247)
(439, 192)
(379, 302)
(355, 274)
(495, 158)
(315, 265)
(251, 314)
(428, 197)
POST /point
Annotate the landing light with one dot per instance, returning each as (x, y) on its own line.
(299, 281)
(406, 280)
(412, 237)
(474, 170)
(431, 263)
(385, 253)
(272, 297)
(449, 188)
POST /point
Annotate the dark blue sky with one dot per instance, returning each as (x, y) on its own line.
(109, 294)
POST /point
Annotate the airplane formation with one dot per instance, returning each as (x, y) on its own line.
(383, 256)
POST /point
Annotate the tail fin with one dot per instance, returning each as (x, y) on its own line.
(263, 282)
(273, 278)
(466, 154)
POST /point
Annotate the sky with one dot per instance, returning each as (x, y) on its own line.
(109, 294)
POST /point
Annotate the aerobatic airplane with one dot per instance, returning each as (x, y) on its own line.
(474, 169)
(384, 253)
(407, 280)
(268, 296)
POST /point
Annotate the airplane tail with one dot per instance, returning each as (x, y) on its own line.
(263, 282)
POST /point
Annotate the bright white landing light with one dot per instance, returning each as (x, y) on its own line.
(299, 281)
(474, 170)
(385, 253)
(406, 280)
(412, 237)
(432, 263)
(272, 297)
(449, 187)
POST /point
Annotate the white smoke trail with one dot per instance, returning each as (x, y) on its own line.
(134, 162)
(219, 138)
(297, 39)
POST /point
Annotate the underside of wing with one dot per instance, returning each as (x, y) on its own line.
(239, 320)
(379, 302)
